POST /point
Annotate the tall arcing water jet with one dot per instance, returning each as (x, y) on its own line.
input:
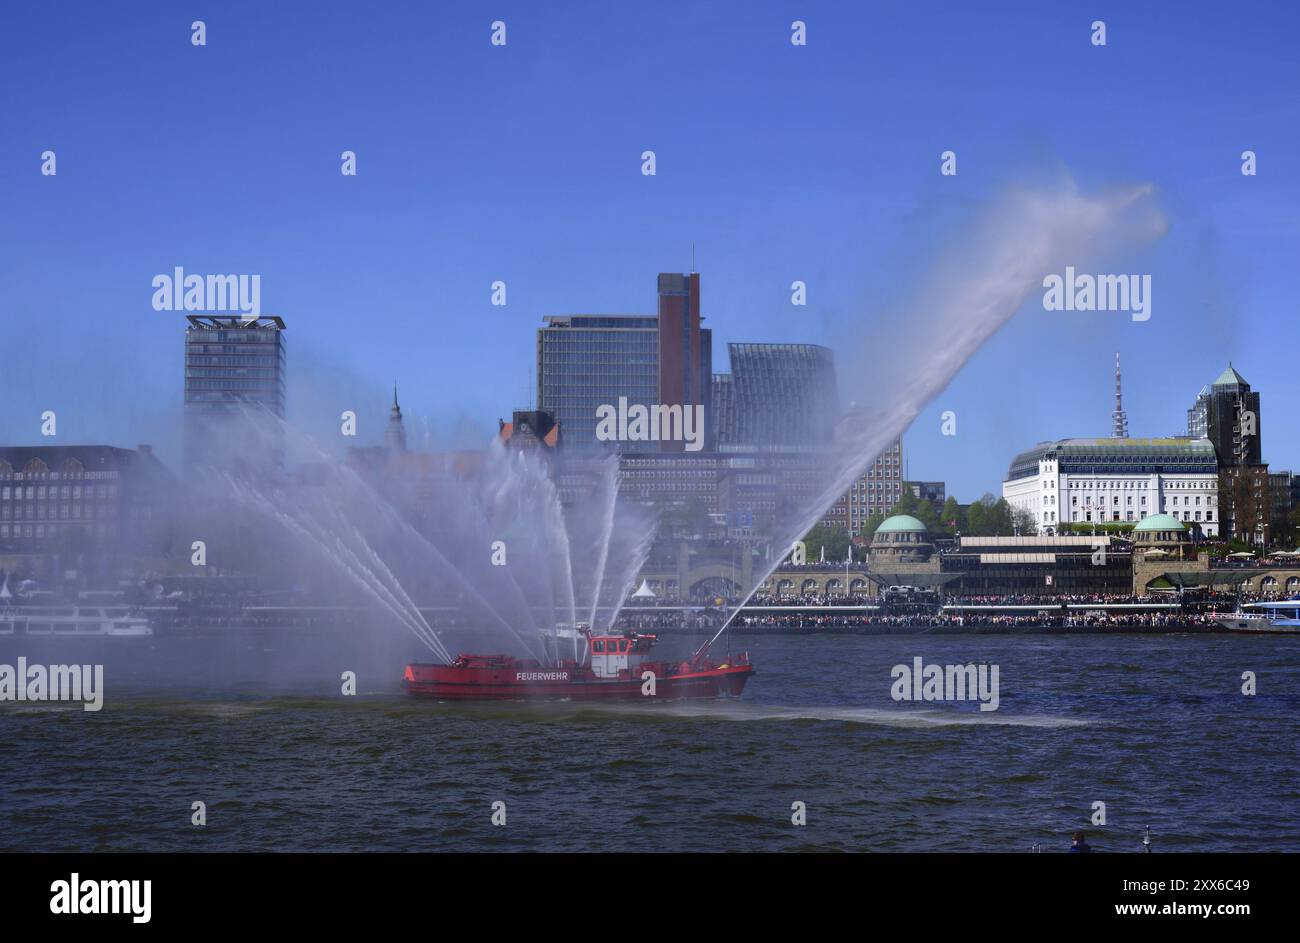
(981, 281)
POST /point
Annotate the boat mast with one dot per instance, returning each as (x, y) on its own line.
(699, 652)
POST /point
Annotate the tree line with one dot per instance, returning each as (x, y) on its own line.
(987, 517)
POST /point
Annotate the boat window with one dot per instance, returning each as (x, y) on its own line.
(622, 646)
(598, 646)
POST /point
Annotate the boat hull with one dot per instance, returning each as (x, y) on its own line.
(449, 683)
(1257, 626)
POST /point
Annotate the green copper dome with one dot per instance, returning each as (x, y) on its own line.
(900, 523)
(1159, 522)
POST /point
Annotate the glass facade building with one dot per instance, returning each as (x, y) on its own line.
(588, 361)
(1198, 419)
(230, 362)
(777, 396)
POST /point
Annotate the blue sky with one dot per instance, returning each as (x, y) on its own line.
(522, 163)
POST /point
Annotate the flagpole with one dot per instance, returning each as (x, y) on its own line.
(848, 558)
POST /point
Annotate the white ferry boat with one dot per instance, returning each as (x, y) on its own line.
(76, 621)
(1280, 618)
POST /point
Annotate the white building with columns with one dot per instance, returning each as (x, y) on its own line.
(1116, 480)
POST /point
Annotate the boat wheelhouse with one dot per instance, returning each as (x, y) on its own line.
(611, 655)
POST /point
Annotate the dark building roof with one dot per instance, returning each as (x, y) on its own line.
(92, 458)
(530, 428)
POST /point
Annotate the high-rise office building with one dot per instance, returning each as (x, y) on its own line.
(589, 361)
(1233, 420)
(1232, 424)
(780, 397)
(231, 363)
(774, 414)
(586, 361)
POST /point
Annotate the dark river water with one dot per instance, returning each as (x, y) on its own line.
(1155, 727)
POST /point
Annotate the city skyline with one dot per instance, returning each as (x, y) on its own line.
(480, 189)
(377, 433)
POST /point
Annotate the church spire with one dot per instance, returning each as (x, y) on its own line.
(395, 434)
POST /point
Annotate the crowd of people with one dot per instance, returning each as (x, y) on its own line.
(795, 600)
(795, 624)
(669, 621)
(1074, 599)
(812, 599)
(822, 564)
(1255, 562)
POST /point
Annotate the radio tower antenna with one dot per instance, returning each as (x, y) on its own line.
(1118, 419)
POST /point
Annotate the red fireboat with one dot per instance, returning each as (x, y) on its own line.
(620, 667)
